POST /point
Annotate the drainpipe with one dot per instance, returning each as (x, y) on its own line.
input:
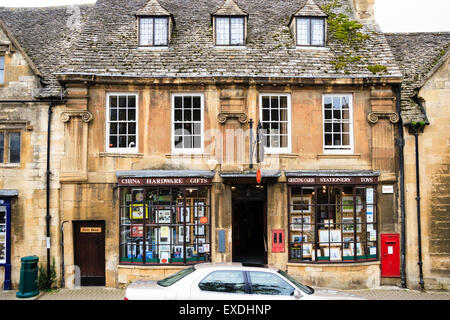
(400, 145)
(47, 216)
(415, 128)
(63, 279)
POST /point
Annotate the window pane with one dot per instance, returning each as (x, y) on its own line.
(122, 102)
(317, 26)
(224, 281)
(303, 31)
(146, 31)
(2, 147)
(113, 128)
(196, 102)
(122, 141)
(161, 31)
(131, 114)
(270, 284)
(113, 114)
(222, 31)
(14, 147)
(113, 141)
(237, 30)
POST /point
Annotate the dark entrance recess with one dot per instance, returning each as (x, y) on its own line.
(249, 223)
(89, 251)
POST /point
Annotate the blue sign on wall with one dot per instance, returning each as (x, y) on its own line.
(5, 235)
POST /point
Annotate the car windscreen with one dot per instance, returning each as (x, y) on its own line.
(304, 288)
(170, 280)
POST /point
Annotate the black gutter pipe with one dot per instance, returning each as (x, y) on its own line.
(419, 235)
(400, 145)
(47, 216)
(415, 128)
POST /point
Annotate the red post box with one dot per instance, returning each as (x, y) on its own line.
(390, 255)
(278, 240)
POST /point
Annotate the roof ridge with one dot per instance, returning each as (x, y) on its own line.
(228, 6)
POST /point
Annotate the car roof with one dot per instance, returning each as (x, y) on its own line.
(234, 265)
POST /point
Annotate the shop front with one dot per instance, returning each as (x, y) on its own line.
(165, 218)
(333, 223)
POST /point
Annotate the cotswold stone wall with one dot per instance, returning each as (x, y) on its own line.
(28, 225)
(434, 152)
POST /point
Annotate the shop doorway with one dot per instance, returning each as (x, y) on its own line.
(89, 251)
(249, 223)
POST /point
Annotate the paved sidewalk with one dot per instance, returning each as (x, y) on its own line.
(102, 293)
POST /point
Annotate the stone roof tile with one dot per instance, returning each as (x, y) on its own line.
(153, 8)
(109, 46)
(229, 8)
(48, 35)
(311, 9)
(416, 55)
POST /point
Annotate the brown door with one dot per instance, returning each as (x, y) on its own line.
(89, 250)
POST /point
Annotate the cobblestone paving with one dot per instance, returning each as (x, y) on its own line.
(102, 293)
(400, 294)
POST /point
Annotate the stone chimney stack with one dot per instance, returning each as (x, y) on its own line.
(364, 10)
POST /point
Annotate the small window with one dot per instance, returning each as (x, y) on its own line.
(153, 31)
(10, 145)
(187, 123)
(224, 281)
(269, 284)
(122, 122)
(2, 69)
(310, 31)
(338, 123)
(230, 31)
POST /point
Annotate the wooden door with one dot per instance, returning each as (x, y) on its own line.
(89, 250)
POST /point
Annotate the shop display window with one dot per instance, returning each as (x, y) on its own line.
(332, 224)
(164, 225)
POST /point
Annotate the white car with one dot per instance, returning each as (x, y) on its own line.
(229, 281)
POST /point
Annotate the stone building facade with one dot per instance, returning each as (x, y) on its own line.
(154, 160)
(423, 59)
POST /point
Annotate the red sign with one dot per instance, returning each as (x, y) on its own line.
(163, 181)
(137, 231)
(258, 176)
(333, 180)
(204, 220)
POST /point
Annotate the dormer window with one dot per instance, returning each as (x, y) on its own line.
(229, 24)
(310, 31)
(309, 25)
(153, 31)
(230, 31)
(155, 25)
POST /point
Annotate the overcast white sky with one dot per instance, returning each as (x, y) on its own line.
(391, 15)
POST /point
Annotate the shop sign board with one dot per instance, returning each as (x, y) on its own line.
(163, 181)
(332, 180)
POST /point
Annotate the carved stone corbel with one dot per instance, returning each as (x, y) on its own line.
(224, 116)
(373, 117)
(85, 115)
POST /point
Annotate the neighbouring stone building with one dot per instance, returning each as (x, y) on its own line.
(153, 154)
(33, 43)
(424, 60)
